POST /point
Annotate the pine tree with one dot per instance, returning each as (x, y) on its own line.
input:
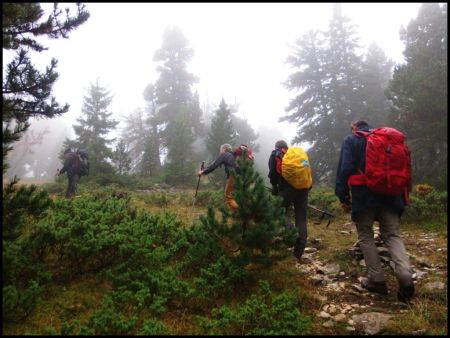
(134, 135)
(311, 103)
(174, 98)
(375, 75)
(179, 166)
(418, 92)
(26, 91)
(151, 163)
(343, 65)
(244, 132)
(93, 129)
(121, 159)
(26, 94)
(328, 77)
(221, 132)
(258, 232)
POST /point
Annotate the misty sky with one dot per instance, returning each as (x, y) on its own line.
(240, 49)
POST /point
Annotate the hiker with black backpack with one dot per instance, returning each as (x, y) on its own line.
(76, 165)
(373, 181)
(290, 177)
(227, 159)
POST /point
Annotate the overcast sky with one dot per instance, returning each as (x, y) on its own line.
(240, 49)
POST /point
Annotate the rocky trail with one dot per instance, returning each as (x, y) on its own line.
(346, 303)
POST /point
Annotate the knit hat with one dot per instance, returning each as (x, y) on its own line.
(281, 144)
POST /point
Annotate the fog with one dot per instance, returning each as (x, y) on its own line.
(239, 55)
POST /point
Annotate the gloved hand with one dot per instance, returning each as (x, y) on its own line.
(275, 191)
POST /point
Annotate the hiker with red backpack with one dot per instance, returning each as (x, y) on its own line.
(290, 176)
(373, 181)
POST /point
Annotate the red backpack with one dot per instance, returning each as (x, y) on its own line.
(388, 163)
(239, 149)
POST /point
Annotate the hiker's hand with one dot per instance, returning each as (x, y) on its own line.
(200, 173)
(347, 207)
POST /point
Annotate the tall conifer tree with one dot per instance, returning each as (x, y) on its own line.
(375, 75)
(179, 110)
(151, 164)
(419, 92)
(93, 129)
(26, 91)
(328, 78)
(221, 131)
(134, 135)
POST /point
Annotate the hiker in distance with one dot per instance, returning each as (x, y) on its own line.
(226, 158)
(290, 177)
(355, 191)
(76, 165)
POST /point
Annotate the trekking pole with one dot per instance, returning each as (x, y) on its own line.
(323, 212)
(202, 166)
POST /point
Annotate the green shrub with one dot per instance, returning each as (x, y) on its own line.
(220, 278)
(262, 314)
(153, 327)
(427, 209)
(108, 320)
(325, 199)
(23, 273)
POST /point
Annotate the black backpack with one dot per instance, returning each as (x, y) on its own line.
(83, 168)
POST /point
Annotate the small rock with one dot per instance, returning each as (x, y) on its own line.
(435, 286)
(372, 322)
(423, 262)
(324, 315)
(332, 268)
(419, 332)
(340, 318)
(310, 249)
(332, 309)
(317, 279)
(306, 259)
(328, 324)
(320, 298)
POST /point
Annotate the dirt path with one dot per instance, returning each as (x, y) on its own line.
(337, 281)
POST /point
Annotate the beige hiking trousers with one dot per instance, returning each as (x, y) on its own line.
(389, 221)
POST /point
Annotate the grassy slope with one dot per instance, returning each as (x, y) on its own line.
(429, 310)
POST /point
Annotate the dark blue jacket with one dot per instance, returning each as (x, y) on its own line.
(352, 157)
(227, 159)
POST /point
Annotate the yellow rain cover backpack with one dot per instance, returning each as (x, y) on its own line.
(295, 168)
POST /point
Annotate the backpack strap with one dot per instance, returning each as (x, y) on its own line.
(359, 179)
(279, 153)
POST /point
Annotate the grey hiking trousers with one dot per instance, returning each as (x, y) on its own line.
(389, 220)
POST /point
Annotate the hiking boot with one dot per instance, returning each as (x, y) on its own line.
(405, 293)
(376, 287)
(298, 249)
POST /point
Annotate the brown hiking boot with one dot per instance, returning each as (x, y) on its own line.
(376, 287)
